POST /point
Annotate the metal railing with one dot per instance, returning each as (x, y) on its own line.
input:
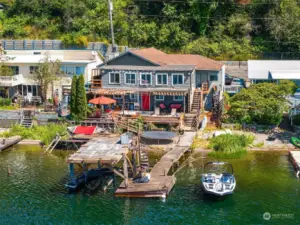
(10, 81)
(233, 88)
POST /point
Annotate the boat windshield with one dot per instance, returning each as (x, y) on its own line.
(218, 167)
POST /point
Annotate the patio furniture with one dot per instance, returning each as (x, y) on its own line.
(163, 107)
(175, 106)
(173, 111)
(157, 111)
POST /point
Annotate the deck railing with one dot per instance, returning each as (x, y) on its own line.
(233, 89)
(10, 81)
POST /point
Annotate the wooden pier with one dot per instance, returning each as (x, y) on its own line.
(160, 183)
(295, 158)
(8, 142)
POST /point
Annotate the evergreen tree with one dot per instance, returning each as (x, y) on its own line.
(73, 107)
(81, 102)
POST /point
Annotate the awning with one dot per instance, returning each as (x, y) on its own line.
(285, 74)
(159, 135)
(170, 93)
(113, 92)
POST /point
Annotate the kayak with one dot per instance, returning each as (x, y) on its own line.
(295, 141)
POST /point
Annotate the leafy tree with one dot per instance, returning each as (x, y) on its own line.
(48, 71)
(81, 102)
(73, 107)
(261, 103)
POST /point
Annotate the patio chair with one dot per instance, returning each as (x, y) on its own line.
(173, 112)
(163, 107)
(157, 111)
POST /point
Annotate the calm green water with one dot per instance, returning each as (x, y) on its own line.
(34, 194)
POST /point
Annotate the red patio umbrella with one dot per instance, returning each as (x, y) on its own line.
(102, 101)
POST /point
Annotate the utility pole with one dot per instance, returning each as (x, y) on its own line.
(110, 9)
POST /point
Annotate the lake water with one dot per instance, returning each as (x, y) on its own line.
(35, 194)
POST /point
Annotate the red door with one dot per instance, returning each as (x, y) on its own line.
(145, 101)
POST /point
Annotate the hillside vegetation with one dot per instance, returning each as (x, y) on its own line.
(221, 29)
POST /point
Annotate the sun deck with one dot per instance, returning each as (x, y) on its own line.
(99, 150)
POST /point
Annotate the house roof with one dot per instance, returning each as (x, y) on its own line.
(162, 58)
(280, 69)
(153, 68)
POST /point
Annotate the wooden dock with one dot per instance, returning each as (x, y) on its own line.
(99, 150)
(8, 142)
(160, 183)
(295, 158)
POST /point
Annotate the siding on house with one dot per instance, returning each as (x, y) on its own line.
(138, 99)
(203, 76)
(131, 60)
(186, 85)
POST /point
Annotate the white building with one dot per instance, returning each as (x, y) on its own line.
(273, 70)
(24, 62)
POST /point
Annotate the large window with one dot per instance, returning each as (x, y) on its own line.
(178, 98)
(161, 79)
(177, 79)
(130, 78)
(114, 78)
(146, 78)
(32, 69)
(15, 69)
(159, 97)
(69, 70)
(79, 70)
(213, 78)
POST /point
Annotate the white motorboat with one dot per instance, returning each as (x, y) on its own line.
(217, 179)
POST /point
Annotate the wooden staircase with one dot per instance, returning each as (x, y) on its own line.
(96, 79)
(196, 104)
(26, 122)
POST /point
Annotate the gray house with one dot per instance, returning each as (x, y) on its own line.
(150, 77)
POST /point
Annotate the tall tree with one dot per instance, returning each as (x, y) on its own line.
(47, 72)
(73, 107)
(81, 102)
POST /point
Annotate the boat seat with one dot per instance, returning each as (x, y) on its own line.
(226, 177)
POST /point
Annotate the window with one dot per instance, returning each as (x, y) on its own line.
(213, 78)
(177, 79)
(63, 69)
(129, 78)
(178, 98)
(37, 53)
(132, 96)
(159, 97)
(79, 70)
(146, 78)
(32, 69)
(69, 70)
(161, 79)
(114, 78)
(15, 69)
(117, 96)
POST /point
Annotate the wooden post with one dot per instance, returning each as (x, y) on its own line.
(125, 169)
(184, 104)
(123, 103)
(72, 174)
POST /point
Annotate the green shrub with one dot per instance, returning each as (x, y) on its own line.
(44, 133)
(231, 143)
(5, 102)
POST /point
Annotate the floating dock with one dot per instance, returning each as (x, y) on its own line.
(295, 158)
(8, 142)
(160, 183)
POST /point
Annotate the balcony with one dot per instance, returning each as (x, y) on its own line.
(11, 81)
(233, 89)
